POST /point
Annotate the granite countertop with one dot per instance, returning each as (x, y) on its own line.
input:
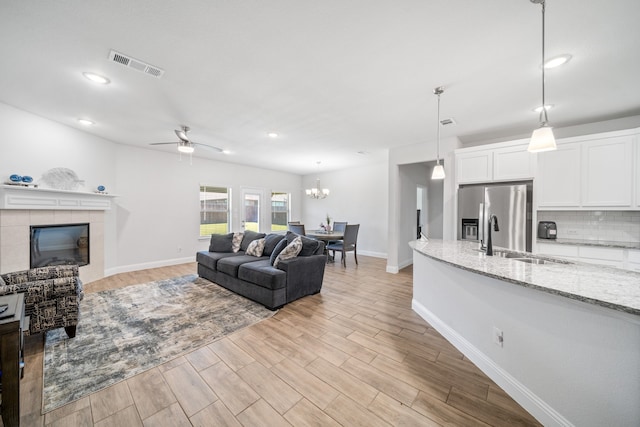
(608, 287)
(599, 243)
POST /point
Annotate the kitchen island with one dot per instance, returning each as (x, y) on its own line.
(563, 339)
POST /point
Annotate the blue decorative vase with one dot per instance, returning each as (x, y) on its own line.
(27, 179)
(15, 178)
(100, 187)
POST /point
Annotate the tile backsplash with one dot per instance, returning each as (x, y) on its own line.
(612, 226)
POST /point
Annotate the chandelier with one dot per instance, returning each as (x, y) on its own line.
(317, 192)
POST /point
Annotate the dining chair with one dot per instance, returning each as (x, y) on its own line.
(338, 227)
(297, 228)
(348, 244)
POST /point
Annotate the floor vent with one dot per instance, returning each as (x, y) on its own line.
(136, 64)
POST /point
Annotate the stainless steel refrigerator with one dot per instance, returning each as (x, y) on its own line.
(511, 203)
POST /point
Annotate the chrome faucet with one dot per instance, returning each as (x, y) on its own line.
(496, 228)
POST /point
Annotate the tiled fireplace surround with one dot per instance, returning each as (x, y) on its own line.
(14, 237)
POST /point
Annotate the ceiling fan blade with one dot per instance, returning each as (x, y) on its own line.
(182, 135)
(211, 147)
(163, 143)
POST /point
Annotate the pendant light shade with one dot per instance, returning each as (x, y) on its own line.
(438, 170)
(542, 138)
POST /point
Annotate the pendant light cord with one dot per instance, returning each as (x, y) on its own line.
(544, 108)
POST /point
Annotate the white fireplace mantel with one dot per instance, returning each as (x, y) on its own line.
(18, 197)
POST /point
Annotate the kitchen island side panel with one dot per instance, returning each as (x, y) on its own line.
(565, 361)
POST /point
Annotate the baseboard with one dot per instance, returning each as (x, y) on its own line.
(147, 265)
(372, 254)
(396, 268)
(543, 412)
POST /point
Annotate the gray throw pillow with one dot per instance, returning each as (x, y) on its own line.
(250, 236)
(270, 243)
(221, 243)
(276, 251)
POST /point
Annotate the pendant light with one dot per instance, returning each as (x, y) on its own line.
(438, 170)
(542, 138)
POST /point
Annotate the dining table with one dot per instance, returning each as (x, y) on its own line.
(326, 237)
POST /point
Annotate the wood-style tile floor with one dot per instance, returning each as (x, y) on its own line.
(353, 355)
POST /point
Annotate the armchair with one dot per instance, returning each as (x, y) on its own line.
(52, 296)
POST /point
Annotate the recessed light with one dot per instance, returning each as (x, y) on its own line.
(273, 135)
(546, 107)
(97, 78)
(557, 61)
(86, 122)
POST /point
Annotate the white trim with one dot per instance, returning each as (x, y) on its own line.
(514, 388)
(147, 265)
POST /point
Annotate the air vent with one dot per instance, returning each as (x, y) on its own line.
(447, 122)
(136, 64)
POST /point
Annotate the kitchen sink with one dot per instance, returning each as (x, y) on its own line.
(505, 254)
(532, 260)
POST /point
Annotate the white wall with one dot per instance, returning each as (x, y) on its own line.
(358, 196)
(398, 252)
(154, 220)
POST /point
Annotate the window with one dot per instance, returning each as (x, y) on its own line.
(279, 211)
(214, 210)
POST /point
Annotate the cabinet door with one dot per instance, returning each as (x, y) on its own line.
(558, 177)
(474, 167)
(607, 172)
(513, 163)
(636, 144)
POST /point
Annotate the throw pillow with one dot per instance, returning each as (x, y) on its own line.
(276, 251)
(291, 251)
(256, 247)
(309, 245)
(237, 240)
(250, 236)
(221, 243)
(270, 243)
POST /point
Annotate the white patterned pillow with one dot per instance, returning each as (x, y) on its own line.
(256, 247)
(237, 240)
(291, 251)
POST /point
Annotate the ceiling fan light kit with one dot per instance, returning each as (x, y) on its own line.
(184, 144)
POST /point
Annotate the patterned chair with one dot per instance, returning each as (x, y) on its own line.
(52, 296)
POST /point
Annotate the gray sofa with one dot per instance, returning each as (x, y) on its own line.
(256, 277)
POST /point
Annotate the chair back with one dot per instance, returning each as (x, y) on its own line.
(339, 226)
(297, 228)
(350, 235)
(293, 222)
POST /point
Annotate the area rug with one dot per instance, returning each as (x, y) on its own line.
(126, 331)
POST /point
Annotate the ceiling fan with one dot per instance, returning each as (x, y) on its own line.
(185, 145)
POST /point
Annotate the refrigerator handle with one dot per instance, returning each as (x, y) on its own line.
(481, 226)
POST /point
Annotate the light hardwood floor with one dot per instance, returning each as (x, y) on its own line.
(353, 355)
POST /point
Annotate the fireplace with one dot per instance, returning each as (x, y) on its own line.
(59, 244)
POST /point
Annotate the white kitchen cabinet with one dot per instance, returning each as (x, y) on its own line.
(636, 144)
(513, 163)
(475, 166)
(558, 177)
(607, 172)
(603, 256)
(633, 260)
(561, 251)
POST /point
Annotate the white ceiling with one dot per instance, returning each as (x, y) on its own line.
(332, 77)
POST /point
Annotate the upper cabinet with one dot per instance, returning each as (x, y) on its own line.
(607, 178)
(558, 177)
(498, 162)
(589, 173)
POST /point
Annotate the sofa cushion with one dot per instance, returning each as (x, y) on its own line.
(270, 243)
(261, 273)
(276, 251)
(221, 243)
(309, 245)
(291, 251)
(210, 259)
(256, 248)
(250, 236)
(236, 242)
(230, 265)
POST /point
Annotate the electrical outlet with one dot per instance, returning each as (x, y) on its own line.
(498, 337)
